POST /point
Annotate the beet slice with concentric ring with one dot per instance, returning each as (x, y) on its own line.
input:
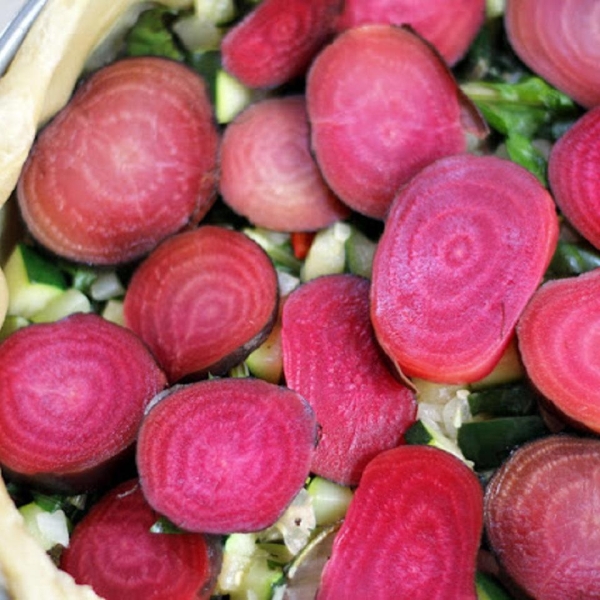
(114, 551)
(129, 161)
(202, 301)
(422, 509)
(72, 396)
(465, 246)
(226, 455)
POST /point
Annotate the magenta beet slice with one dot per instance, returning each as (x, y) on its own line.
(202, 301)
(541, 517)
(332, 359)
(465, 246)
(268, 173)
(371, 138)
(129, 161)
(412, 530)
(560, 41)
(277, 40)
(450, 25)
(72, 396)
(114, 551)
(226, 455)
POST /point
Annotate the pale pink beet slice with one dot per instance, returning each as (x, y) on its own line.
(268, 173)
(128, 162)
(412, 530)
(226, 455)
(202, 301)
(72, 396)
(574, 175)
(332, 359)
(558, 341)
(369, 139)
(541, 517)
(114, 551)
(277, 40)
(560, 41)
(450, 25)
(465, 246)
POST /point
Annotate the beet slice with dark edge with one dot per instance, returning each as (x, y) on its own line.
(465, 246)
(412, 530)
(541, 517)
(114, 551)
(332, 359)
(225, 455)
(202, 301)
(72, 396)
(129, 161)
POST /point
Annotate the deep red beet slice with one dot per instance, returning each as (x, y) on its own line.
(202, 301)
(115, 552)
(560, 41)
(226, 455)
(332, 359)
(412, 530)
(541, 517)
(558, 340)
(268, 173)
(72, 396)
(450, 25)
(371, 138)
(129, 161)
(465, 246)
(277, 40)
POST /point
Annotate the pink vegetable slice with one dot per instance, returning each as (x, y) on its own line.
(226, 455)
(412, 530)
(268, 173)
(560, 41)
(129, 161)
(115, 552)
(202, 301)
(541, 517)
(72, 396)
(332, 359)
(450, 25)
(370, 138)
(465, 246)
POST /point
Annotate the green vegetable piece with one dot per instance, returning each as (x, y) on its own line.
(69, 302)
(152, 35)
(277, 246)
(489, 589)
(231, 96)
(418, 433)
(573, 259)
(359, 253)
(11, 324)
(510, 400)
(522, 151)
(327, 253)
(427, 432)
(163, 525)
(49, 528)
(330, 500)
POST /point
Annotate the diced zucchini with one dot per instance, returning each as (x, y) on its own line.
(231, 97)
(48, 528)
(113, 311)
(106, 286)
(330, 500)
(508, 370)
(11, 324)
(266, 362)
(327, 253)
(489, 589)
(509, 400)
(67, 303)
(359, 253)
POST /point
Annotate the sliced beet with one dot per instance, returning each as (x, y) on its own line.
(277, 40)
(72, 396)
(202, 301)
(268, 173)
(541, 517)
(332, 359)
(226, 455)
(370, 138)
(412, 530)
(560, 41)
(465, 246)
(114, 551)
(450, 25)
(558, 341)
(129, 161)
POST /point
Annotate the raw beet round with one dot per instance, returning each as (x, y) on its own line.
(268, 173)
(72, 396)
(128, 162)
(226, 455)
(202, 301)
(113, 550)
(541, 517)
(370, 138)
(412, 530)
(332, 359)
(465, 246)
